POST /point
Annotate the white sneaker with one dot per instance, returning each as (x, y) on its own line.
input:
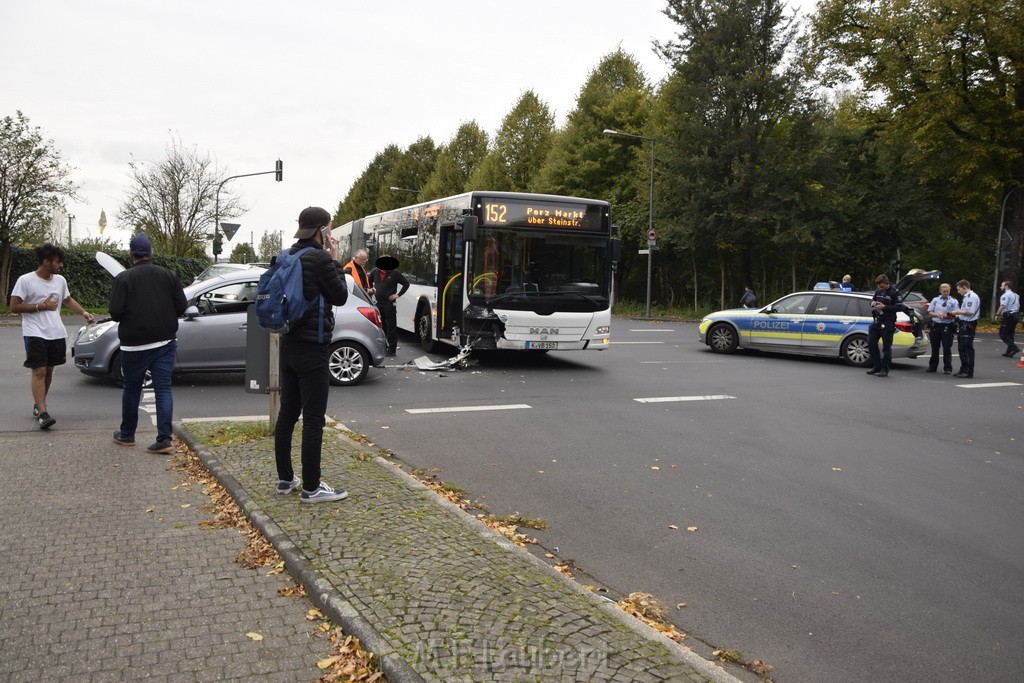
(323, 494)
(286, 487)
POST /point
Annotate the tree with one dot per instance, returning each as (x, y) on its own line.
(243, 253)
(361, 198)
(410, 172)
(951, 72)
(520, 147)
(33, 182)
(731, 85)
(456, 162)
(270, 245)
(174, 200)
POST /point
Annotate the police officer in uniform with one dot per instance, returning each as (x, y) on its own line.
(1009, 308)
(884, 306)
(943, 328)
(967, 324)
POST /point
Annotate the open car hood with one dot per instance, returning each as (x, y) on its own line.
(109, 263)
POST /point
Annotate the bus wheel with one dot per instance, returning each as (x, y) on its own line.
(424, 327)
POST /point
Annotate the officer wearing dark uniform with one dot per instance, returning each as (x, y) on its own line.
(884, 306)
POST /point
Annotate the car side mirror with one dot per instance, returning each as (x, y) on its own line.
(191, 313)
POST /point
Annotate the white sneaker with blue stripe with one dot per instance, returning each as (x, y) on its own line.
(286, 487)
(323, 494)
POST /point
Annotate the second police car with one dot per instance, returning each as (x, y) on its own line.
(822, 322)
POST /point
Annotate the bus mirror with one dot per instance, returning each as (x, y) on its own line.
(469, 228)
(616, 230)
(617, 251)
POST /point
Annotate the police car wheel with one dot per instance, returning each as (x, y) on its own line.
(855, 351)
(722, 338)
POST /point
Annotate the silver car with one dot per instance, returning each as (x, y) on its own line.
(212, 332)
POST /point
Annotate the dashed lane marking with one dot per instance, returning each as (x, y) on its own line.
(467, 409)
(989, 385)
(668, 399)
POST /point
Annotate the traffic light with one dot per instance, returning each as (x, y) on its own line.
(895, 264)
(1004, 258)
(217, 245)
(278, 170)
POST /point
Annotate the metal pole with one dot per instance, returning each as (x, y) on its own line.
(650, 226)
(999, 239)
(70, 218)
(216, 215)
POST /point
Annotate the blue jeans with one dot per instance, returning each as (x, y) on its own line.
(160, 363)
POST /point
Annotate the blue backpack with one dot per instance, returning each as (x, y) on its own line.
(280, 305)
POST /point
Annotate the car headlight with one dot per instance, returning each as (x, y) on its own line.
(91, 333)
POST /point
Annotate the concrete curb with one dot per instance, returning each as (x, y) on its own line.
(321, 592)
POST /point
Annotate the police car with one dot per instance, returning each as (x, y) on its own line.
(821, 322)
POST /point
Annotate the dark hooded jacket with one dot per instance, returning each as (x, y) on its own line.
(146, 300)
(320, 275)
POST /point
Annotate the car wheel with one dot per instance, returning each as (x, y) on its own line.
(118, 374)
(348, 363)
(424, 328)
(722, 338)
(855, 351)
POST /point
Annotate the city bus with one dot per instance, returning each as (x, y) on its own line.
(498, 270)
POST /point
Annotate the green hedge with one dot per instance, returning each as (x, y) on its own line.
(88, 281)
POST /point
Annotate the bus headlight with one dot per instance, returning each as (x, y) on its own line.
(603, 329)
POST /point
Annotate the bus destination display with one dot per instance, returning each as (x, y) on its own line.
(520, 213)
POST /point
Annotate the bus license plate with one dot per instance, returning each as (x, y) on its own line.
(542, 345)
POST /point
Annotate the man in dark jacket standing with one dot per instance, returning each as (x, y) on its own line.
(385, 279)
(884, 306)
(146, 300)
(304, 354)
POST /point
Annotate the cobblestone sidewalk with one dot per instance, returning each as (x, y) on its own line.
(107, 575)
(443, 594)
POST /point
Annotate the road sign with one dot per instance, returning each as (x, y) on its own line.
(650, 234)
(229, 229)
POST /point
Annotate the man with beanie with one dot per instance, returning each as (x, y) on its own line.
(304, 355)
(146, 300)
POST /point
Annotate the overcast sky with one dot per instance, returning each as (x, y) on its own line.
(321, 85)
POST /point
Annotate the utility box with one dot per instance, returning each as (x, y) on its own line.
(257, 355)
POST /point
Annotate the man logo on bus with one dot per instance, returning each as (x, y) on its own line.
(543, 330)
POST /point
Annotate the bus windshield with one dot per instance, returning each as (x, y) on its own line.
(538, 271)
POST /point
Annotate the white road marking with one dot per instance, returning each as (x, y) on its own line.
(652, 330)
(666, 362)
(466, 409)
(989, 385)
(666, 399)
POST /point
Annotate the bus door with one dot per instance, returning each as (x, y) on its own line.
(450, 282)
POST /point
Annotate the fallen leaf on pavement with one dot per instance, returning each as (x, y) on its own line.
(255, 636)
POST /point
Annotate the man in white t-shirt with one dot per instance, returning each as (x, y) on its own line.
(38, 296)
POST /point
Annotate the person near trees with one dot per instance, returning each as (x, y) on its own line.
(386, 279)
(1009, 308)
(885, 304)
(304, 360)
(943, 327)
(749, 299)
(967, 325)
(38, 296)
(146, 300)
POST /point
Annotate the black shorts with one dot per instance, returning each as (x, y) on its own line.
(45, 353)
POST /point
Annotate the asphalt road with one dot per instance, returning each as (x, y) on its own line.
(845, 526)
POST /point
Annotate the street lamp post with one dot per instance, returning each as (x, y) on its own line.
(71, 217)
(403, 189)
(999, 247)
(650, 212)
(278, 174)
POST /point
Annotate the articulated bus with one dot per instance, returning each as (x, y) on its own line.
(498, 270)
